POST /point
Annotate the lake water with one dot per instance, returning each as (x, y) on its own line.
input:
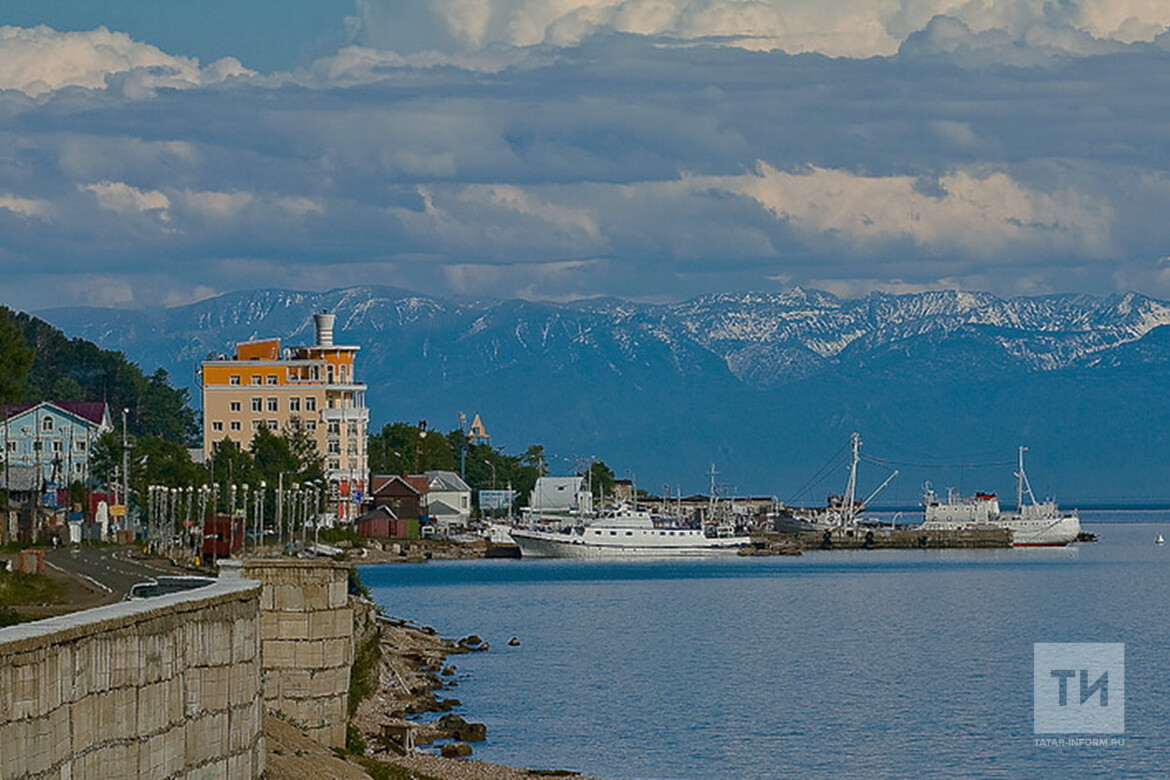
(845, 664)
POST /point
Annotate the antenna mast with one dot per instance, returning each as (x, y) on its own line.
(1022, 484)
(851, 488)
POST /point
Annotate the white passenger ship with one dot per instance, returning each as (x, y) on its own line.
(1036, 524)
(622, 532)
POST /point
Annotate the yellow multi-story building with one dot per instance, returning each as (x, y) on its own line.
(313, 387)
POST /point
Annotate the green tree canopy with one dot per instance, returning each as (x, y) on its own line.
(400, 449)
(16, 358)
(75, 369)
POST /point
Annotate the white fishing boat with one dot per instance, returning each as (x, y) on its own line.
(1159, 540)
(1033, 524)
(622, 532)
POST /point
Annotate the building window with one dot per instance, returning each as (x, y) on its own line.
(12, 446)
(36, 446)
(47, 423)
(256, 379)
(335, 464)
(329, 374)
(79, 445)
(56, 446)
(310, 404)
(351, 429)
(272, 379)
(235, 406)
(351, 448)
(78, 468)
(333, 429)
(273, 404)
(310, 425)
(256, 424)
(294, 404)
(257, 404)
(217, 425)
(334, 447)
(235, 426)
(273, 425)
(234, 379)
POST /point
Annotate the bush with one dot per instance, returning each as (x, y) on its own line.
(363, 678)
(354, 741)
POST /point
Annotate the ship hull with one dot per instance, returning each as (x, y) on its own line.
(537, 544)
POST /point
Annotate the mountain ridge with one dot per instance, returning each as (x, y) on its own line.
(764, 383)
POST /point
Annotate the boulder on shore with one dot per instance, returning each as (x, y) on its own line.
(456, 750)
(460, 729)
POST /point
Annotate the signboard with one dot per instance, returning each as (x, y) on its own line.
(118, 510)
(496, 499)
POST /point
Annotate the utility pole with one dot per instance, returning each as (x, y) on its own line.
(125, 466)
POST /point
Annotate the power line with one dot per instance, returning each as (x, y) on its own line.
(890, 462)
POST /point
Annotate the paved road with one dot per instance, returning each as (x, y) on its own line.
(109, 567)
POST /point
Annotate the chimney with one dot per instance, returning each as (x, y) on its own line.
(324, 322)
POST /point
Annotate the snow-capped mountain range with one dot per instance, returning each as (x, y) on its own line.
(761, 383)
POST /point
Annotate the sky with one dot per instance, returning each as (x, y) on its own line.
(156, 152)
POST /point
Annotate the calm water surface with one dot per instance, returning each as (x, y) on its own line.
(833, 664)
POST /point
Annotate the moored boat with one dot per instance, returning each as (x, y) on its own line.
(1033, 524)
(623, 532)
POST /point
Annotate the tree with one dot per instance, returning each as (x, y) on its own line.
(105, 458)
(601, 479)
(535, 458)
(310, 462)
(67, 389)
(229, 464)
(158, 461)
(399, 448)
(164, 411)
(16, 359)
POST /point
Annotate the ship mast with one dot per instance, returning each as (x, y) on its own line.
(851, 488)
(1022, 484)
(711, 497)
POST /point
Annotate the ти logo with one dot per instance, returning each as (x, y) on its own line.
(1078, 688)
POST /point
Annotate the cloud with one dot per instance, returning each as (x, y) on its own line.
(41, 60)
(640, 163)
(972, 214)
(25, 207)
(121, 198)
(216, 205)
(846, 28)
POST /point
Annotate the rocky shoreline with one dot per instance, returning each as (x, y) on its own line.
(415, 674)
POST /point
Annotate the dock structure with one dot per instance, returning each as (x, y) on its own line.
(863, 538)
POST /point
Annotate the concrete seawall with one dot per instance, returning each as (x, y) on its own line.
(307, 641)
(168, 687)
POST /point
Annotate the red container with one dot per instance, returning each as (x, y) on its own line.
(223, 535)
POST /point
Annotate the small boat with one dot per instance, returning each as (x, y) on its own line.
(1159, 540)
(624, 531)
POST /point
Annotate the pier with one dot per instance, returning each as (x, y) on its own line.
(862, 538)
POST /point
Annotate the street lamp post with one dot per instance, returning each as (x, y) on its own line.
(125, 463)
(260, 513)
